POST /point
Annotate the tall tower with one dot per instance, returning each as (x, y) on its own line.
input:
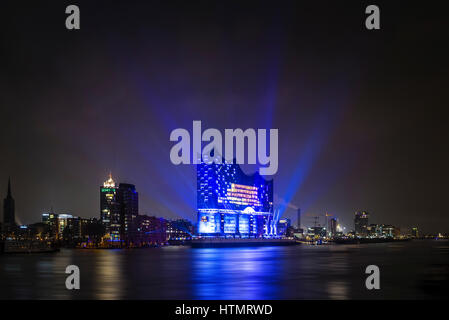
(110, 208)
(361, 223)
(128, 198)
(9, 219)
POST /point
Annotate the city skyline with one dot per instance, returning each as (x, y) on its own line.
(111, 183)
(359, 113)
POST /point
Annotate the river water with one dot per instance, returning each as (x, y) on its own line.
(408, 270)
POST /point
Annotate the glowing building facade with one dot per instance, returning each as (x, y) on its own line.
(232, 203)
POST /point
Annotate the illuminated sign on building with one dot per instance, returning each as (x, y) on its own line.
(241, 195)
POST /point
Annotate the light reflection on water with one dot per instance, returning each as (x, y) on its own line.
(108, 275)
(235, 273)
(419, 269)
(338, 290)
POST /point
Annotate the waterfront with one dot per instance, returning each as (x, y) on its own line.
(409, 270)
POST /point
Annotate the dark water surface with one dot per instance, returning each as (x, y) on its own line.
(409, 270)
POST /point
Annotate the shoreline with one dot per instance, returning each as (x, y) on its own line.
(214, 243)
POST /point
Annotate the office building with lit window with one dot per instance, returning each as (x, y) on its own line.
(361, 223)
(110, 209)
(128, 200)
(233, 204)
(283, 226)
(51, 219)
(119, 207)
(180, 229)
(150, 230)
(62, 224)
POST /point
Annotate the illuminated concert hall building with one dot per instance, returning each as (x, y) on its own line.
(232, 203)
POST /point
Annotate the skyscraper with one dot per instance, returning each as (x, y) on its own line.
(128, 199)
(9, 219)
(110, 209)
(51, 219)
(58, 224)
(150, 230)
(361, 223)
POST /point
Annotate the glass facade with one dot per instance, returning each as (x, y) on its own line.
(231, 202)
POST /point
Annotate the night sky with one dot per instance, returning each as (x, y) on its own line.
(361, 114)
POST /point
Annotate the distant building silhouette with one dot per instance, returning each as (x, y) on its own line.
(128, 199)
(9, 218)
(110, 209)
(361, 223)
(150, 230)
(283, 226)
(333, 227)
